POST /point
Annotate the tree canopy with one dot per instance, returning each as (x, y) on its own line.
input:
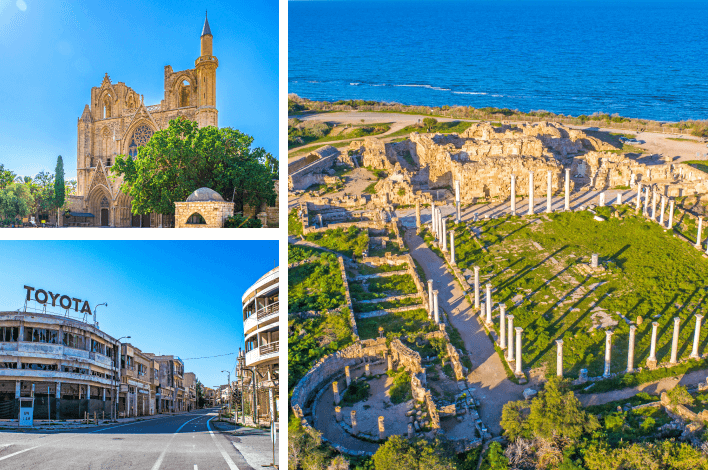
(184, 157)
(554, 414)
(15, 201)
(59, 189)
(397, 453)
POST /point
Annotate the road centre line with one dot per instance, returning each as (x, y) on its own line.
(164, 452)
(229, 462)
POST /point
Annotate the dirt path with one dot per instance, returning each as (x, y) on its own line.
(487, 377)
(652, 388)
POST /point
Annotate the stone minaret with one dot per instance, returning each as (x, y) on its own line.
(206, 65)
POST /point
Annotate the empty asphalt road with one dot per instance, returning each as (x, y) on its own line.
(187, 441)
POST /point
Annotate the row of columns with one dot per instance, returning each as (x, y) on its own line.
(651, 361)
(549, 195)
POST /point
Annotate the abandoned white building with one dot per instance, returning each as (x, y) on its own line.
(69, 366)
(260, 325)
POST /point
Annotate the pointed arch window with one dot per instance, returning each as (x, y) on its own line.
(104, 202)
(141, 135)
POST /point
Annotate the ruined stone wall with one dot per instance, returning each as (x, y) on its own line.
(347, 297)
(406, 357)
(312, 173)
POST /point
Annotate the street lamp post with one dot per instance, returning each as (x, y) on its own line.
(231, 394)
(95, 321)
(115, 388)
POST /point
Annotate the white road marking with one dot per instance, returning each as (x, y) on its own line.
(229, 462)
(164, 452)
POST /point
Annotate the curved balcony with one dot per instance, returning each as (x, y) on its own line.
(55, 351)
(262, 354)
(263, 315)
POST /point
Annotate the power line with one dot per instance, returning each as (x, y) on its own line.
(208, 357)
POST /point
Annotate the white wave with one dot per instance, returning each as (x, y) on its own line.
(354, 83)
(469, 93)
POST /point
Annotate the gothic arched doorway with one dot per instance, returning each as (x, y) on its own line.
(104, 212)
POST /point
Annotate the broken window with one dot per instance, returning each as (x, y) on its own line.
(9, 334)
(40, 335)
(8, 365)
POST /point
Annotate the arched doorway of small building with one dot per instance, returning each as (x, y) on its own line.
(105, 214)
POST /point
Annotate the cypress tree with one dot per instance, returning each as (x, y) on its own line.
(59, 195)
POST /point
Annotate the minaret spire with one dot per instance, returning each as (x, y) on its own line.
(205, 30)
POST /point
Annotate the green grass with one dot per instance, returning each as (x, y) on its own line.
(386, 305)
(391, 247)
(649, 274)
(400, 390)
(358, 390)
(294, 223)
(699, 165)
(314, 286)
(447, 127)
(395, 324)
(681, 139)
(365, 269)
(370, 189)
(396, 284)
(349, 242)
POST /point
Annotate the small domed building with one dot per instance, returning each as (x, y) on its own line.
(204, 208)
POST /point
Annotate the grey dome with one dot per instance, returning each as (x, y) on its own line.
(204, 195)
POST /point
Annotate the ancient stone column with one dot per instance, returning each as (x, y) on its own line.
(355, 428)
(518, 349)
(411, 431)
(444, 236)
(513, 194)
(367, 370)
(338, 413)
(653, 205)
(389, 361)
(502, 326)
(430, 296)
(674, 341)
(559, 358)
(335, 390)
(347, 374)
(530, 192)
(646, 201)
(452, 248)
(476, 287)
(594, 260)
(457, 200)
(651, 362)
(482, 311)
(671, 214)
(549, 196)
(630, 351)
(663, 209)
(510, 351)
(433, 218)
(436, 311)
(567, 189)
(619, 199)
(608, 352)
(489, 304)
(382, 429)
(417, 215)
(698, 236)
(696, 337)
(639, 196)
(601, 203)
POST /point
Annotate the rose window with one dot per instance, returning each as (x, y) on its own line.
(141, 135)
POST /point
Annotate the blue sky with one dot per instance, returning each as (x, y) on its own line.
(54, 52)
(171, 297)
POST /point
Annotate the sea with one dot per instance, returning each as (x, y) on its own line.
(643, 59)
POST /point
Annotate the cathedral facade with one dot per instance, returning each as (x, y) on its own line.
(118, 122)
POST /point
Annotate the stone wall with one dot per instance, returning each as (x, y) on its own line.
(406, 357)
(214, 213)
(347, 297)
(303, 175)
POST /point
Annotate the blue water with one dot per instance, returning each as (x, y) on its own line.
(644, 59)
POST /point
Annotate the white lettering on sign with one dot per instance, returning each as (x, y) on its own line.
(65, 302)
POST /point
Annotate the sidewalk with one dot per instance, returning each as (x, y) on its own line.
(254, 445)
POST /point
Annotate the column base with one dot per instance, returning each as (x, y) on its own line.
(694, 356)
(651, 364)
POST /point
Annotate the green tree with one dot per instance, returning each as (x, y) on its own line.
(554, 414)
(397, 453)
(201, 399)
(43, 192)
(59, 189)
(15, 201)
(495, 457)
(429, 123)
(6, 176)
(182, 158)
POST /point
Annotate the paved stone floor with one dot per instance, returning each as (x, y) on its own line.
(487, 377)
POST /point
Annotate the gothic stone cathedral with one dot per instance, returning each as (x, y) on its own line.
(117, 122)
